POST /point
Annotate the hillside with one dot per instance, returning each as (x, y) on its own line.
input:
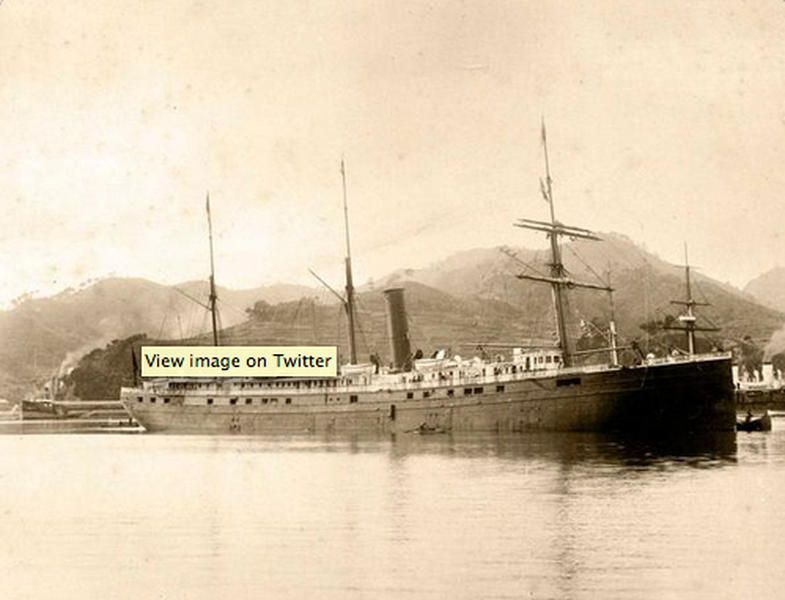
(644, 286)
(479, 301)
(469, 298)
(46, 336)
(769, 288)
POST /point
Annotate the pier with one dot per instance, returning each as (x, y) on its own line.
(74, 416)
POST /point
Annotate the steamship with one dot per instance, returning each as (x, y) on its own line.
(535, 389)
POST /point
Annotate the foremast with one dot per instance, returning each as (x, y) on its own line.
(559, 279)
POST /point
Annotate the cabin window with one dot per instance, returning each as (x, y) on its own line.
(249, 400)
(166, 400)
(410, 395)
(467, 391)
(547, 359)
(139, 399)
(152, 399)
(209, 401)
(450, 393)
(264, 401)
(288, 401)
(233, 401)
(568, 381)
(352, 399)
(499, 388)
(273, 400)
(478, 390)
(426, 394)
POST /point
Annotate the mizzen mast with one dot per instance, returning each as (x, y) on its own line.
(559, 278)
(213, 296)
(689, 319)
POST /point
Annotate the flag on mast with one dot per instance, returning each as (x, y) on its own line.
(544, 191)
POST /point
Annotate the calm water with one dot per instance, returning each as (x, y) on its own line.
(544, 516)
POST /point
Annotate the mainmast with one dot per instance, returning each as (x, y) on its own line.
(689, 319)
(348, 299)
(559, 279)
(213, 295)
(349, 302)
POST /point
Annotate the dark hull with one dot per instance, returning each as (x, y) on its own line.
(694, 395)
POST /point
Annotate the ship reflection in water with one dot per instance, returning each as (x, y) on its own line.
(418, 516)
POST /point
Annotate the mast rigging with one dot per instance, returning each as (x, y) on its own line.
(349, 282)
(213, 296)
(558, 279)
(689, 319)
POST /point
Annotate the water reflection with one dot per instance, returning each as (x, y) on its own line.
(507, 516)
(694, 450)
(587, 449)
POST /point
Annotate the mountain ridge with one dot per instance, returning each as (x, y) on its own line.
(470, 296)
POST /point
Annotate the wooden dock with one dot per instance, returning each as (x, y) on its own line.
(51, 416)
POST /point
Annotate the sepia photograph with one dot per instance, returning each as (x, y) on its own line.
(360, 299)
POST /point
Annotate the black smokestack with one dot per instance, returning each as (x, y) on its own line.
(398, 329)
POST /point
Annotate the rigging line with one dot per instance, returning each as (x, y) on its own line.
(191, 298)
(225, 304)
(293, 320)
(621, 256)
(220, 325)
(696, 285)
(358, 322)
(585, 264)
(514, 256)
(316, 336)
(339, 324)
(193, 322)
(201, 326)
(161, 328)
(604, 333)
(420, 331)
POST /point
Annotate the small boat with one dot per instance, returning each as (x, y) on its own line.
(8, 411)
(755, 424)
(425, 429)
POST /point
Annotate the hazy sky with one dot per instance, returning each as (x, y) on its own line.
(666, 122)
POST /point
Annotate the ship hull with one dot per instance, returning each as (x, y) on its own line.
(695, 395)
